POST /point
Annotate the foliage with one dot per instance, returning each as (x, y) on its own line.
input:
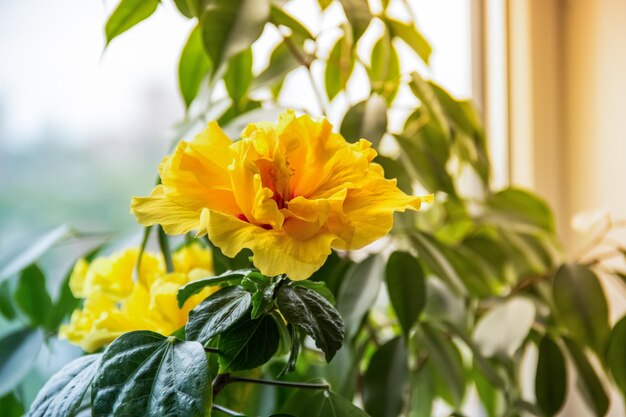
(477, 280)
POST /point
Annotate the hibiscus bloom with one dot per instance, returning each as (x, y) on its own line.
(289, 191)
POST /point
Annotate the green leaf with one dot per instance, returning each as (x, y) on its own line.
(218, 313)
(193, 67)
(423, 90)
(588, 381)
(358, 14)
(320, 403)
(358, 292)
(278, 16)
(387, 372)
(523, 206)
(446, 360)
(407, 288)
(11, 406)
(32, 296)
(384, 70)
(310, 311)
(581, 305)
(64, 392)
(551, 377)
(188, 8)
(145, 374)
(422, 393)
(411, 36)
(395, 170)
(230, 26)
(318, 287)
(436, 257)
(126, 15)
(7, 308)
(615, 357)
(248, 344)
(491, 397)
(262, 290)
(38, 248)
(339, 67)
(194, 287)
(238, 77)
(366, 120)
(282, 61)
(18, 351)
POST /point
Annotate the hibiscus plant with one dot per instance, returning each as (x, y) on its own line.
(311, 270)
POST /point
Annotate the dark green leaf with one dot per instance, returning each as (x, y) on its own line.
(223, 263)
(358, 14)
(320, 403)
(358, 291)
(11, 406)
(366, 120)
(218, 313)
(238, 77)
(64, 392)
(581, 305)
(290, 366)
(32, 296)
(435, 256)
(230, 26)
(194, 287)
(411, 36)
(193, 67)
(383, 393)
(588, 381)
(262, 290)
(278, 16)
(30, 255)
(384, 71)
(309, 310)
(407, 288)
(616, 354)
(145, 374)
(324, 3)
(339, 67)
(395, 170)
(318, 287)
(7, 308)
(186, 7)
(551, 377)
(127, 14)
(18, 351)
(491, 397)
(422, 393)
(248, 344)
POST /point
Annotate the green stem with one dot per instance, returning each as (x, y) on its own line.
(164, 244)
(142, 248)
(211, 350)
(225, 410)
(279, 383)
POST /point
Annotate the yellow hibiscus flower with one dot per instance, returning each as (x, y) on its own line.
(115, 303)
(289, 191)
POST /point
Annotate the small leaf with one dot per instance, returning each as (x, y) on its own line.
(407, 288)
(262, 290)
(238, 77)
(64, 392)
(32, 296)
(187, 8)
(615, 354)
(366, 120)
(11, 406)
(384, 71)
(218, 313)
(307, 309)
(411, 36)
(18, 351)
(588, 381)
(358, 292)
(7, 308)
(194, 287)
(320, 403)
(581, 305)
(248, 345)
(358, 14)
(282, 62)
(145, 374)
(551, 377)
(230, 26)
(387, 372)
(318, 287)
(339, 67)
(33, 253)
(423, 90)
(278, 16)
(193, 67)
(126, 15)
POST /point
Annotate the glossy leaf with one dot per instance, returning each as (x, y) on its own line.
(616, 354)
(318, 287)
(218, 313)
(358, 14)
(126, 15)
(407, 288)
(193, 67)
(64, 391)
(144, 373)
(339, 66)
(18, 350)
(30, 255)
(366, 120)
(387, 372)
(32, 296)
(248, 345)
(310, 311)
(238, 76)
(262, 290)
(194, 287)
(581, 305)
(358, 291)
(411, 36)
(231, 26)
(551, 377)
(320, 403)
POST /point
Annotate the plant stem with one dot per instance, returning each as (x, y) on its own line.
(279, 383)
(318, 95)
(225, 410)
(164, 244)
(211, 350)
